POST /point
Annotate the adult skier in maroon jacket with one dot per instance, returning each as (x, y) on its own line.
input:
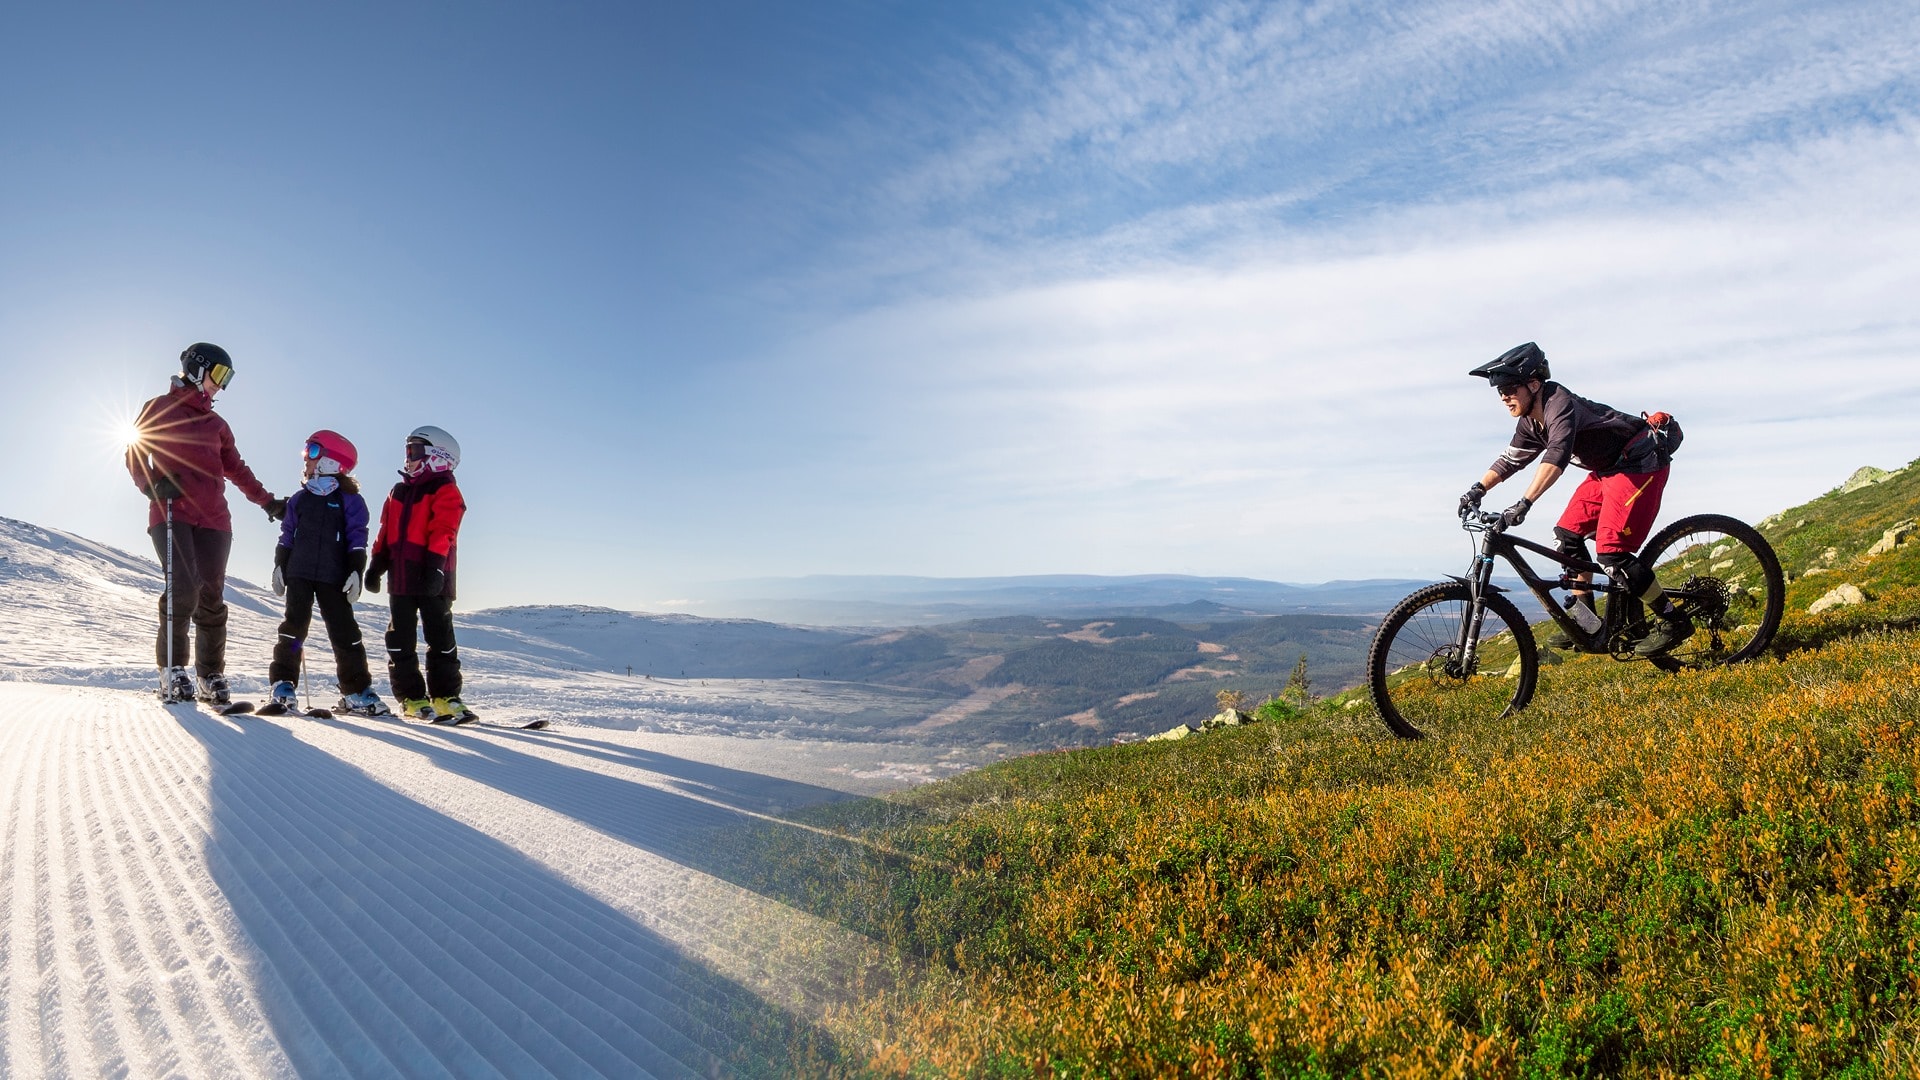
(184, 456)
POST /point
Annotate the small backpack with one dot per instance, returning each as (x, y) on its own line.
(1665, 434)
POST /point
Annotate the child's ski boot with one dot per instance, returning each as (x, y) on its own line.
(451, 710)
(213, 688)
(364, 703)
(281, 700)
(417, 709)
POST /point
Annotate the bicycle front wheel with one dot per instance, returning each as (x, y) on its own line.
(1725, 576)
(1422, 684)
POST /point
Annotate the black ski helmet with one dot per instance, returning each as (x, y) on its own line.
(1516, 365)
(201, 359)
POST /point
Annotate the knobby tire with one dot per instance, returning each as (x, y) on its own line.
(1747, 627)
(1407, 663)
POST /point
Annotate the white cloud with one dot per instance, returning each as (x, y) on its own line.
(1195, 416)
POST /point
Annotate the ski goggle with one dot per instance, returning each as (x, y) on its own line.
(221, 375)
(417, 449)
(313, 452)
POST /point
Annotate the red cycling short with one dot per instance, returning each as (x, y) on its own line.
(1616, 510)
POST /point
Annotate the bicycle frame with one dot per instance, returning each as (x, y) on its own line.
(1479, 581)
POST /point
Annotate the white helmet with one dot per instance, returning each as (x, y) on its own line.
(438, 437)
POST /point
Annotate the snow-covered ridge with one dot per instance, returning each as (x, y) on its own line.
(78, 612)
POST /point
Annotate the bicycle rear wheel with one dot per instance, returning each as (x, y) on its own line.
(1725, 576)
(1422, 685)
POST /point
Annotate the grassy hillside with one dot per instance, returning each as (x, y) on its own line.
(1711, 873)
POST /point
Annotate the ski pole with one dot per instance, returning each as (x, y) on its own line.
(166, 677)
(305, 691)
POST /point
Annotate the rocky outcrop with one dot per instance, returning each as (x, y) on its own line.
(1892, 538)
(1867, 476)
(1839, 597)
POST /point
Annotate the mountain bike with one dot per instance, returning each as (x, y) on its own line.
(1432, 665)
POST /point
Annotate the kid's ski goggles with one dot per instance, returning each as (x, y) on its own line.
(417, 449)
(221, 375)
(314, 452)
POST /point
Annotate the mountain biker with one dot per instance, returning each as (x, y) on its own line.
(1615, 505)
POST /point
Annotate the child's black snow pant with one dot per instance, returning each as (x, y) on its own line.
(343, 632)
(199, 590)
(435, 617)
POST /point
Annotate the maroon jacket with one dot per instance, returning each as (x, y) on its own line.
(194, 446)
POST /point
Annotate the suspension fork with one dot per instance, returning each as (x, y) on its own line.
(1479, 582)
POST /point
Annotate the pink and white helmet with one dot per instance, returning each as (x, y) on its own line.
(431, 449)
(330, 452)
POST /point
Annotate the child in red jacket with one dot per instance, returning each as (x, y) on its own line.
(419, 527)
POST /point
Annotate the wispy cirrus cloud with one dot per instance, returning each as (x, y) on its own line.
(1140, 131)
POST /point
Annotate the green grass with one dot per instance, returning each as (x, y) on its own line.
(1712, 873)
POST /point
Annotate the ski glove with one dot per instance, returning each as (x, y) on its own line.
(279, 581)
(433, 579)
(1517, 513)
(165, 489)
(356, 566)
(1471, 500)
(376, 570)
(276, 509)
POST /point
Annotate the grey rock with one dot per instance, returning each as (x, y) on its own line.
(1839, 597)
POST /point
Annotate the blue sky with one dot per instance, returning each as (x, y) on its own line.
(738, 290)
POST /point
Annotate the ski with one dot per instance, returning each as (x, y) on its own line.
(274, 708)
(469, 718)
(231, 708)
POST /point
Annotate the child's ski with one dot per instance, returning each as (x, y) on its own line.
(468, 716)
(274, 708)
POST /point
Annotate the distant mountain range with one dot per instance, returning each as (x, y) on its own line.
(882, 601)
(1080, 659)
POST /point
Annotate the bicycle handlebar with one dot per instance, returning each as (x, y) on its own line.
(1474, 520)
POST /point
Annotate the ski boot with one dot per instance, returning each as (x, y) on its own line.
(364, 703)
(281, 700)
(213, 688)
(451, 710)
(175, 685)
(417, 709)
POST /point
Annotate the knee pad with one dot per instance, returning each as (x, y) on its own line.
(1623, 566)
(1571, 544)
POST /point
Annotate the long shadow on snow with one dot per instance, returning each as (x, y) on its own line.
(713, 822)
(394, 940)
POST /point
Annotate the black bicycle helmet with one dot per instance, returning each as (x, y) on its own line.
(1516, 365)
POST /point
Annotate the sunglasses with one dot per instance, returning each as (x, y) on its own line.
(1508, 390)
(221, 375)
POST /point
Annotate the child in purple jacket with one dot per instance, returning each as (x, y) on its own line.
(321, 557)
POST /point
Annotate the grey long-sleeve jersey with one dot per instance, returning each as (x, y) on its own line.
(1581, 432)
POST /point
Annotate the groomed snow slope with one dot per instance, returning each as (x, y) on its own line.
(191, 895)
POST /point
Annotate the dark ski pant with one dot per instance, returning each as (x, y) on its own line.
(343, 632)
(199, 596)
(434, 615)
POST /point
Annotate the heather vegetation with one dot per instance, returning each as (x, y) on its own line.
(1706, 873)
